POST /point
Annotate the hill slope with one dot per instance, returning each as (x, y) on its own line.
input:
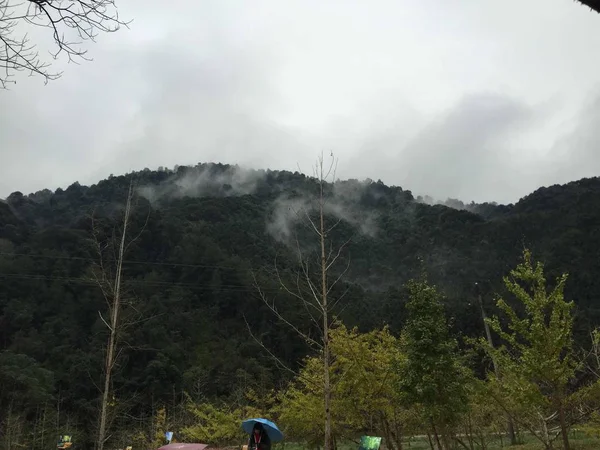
(204, 231)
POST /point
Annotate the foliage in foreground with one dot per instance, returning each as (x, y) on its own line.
(364, 399)
(432, 379)
(537, 382)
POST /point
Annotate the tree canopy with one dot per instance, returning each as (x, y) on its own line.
(190, 294)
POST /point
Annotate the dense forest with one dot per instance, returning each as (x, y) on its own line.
(203, 244)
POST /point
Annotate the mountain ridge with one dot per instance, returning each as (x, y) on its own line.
(209, 236)
(167, 174)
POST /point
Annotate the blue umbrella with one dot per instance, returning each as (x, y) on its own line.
(274, 433)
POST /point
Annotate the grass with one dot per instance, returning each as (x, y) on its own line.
(578, 441)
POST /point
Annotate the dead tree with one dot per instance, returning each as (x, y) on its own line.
(313, 289)
(111, 285)
(69, 21)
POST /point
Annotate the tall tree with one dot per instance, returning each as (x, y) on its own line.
(70, 23)
(314, 292)
(431, 376)
(538, 354)
(112, 290)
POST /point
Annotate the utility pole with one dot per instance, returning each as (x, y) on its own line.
(488, 333)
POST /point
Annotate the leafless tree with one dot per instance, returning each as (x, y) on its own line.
(313, 289)
(12, 429)
(71, 22)
(110, 282)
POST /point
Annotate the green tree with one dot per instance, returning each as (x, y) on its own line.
(219, 424)
(432, 377)
(537, 361)
(484, 421)
(363, 382)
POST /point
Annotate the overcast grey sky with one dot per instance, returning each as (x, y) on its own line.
(472, 99)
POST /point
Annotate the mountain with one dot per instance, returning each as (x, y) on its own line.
(204, 238)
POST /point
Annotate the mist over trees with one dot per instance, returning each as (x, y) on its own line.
(201, 239)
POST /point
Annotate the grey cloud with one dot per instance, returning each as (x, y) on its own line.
(577, 153)
(462, 153)
(164, 105)
(393, 90)
(465, 152)
(216, 107)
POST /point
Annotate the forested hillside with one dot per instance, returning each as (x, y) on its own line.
(203, 240)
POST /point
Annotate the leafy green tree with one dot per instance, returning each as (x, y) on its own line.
(484, 422)
(219, 424)
(363, 382)
(537, 361)
(432, 377)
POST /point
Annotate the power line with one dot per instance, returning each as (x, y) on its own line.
(91, 282)
(157, 263)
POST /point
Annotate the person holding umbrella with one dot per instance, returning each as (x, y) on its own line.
(259, 438)
(262, 432)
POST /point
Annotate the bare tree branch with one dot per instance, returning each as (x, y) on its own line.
(271, 354)
(273, 309)
(339, 277)
(339, 252)
(71, 22)
(105, 322)
(318, 292)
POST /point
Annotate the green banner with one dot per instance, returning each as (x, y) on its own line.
(369, 443)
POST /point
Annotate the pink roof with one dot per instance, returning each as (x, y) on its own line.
(183, 447)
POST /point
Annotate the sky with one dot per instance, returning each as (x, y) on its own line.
(475, 100)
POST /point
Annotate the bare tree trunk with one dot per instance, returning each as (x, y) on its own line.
(546, 435)
(44, 426)
(430, 441)
(446, 438)
(509, 425)
(58, 413)
(35, 425)
(326, 382)
(316, 297)
(436, 435)
(113, 327)
(563, 426)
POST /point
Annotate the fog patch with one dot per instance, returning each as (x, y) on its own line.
(204, 180)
